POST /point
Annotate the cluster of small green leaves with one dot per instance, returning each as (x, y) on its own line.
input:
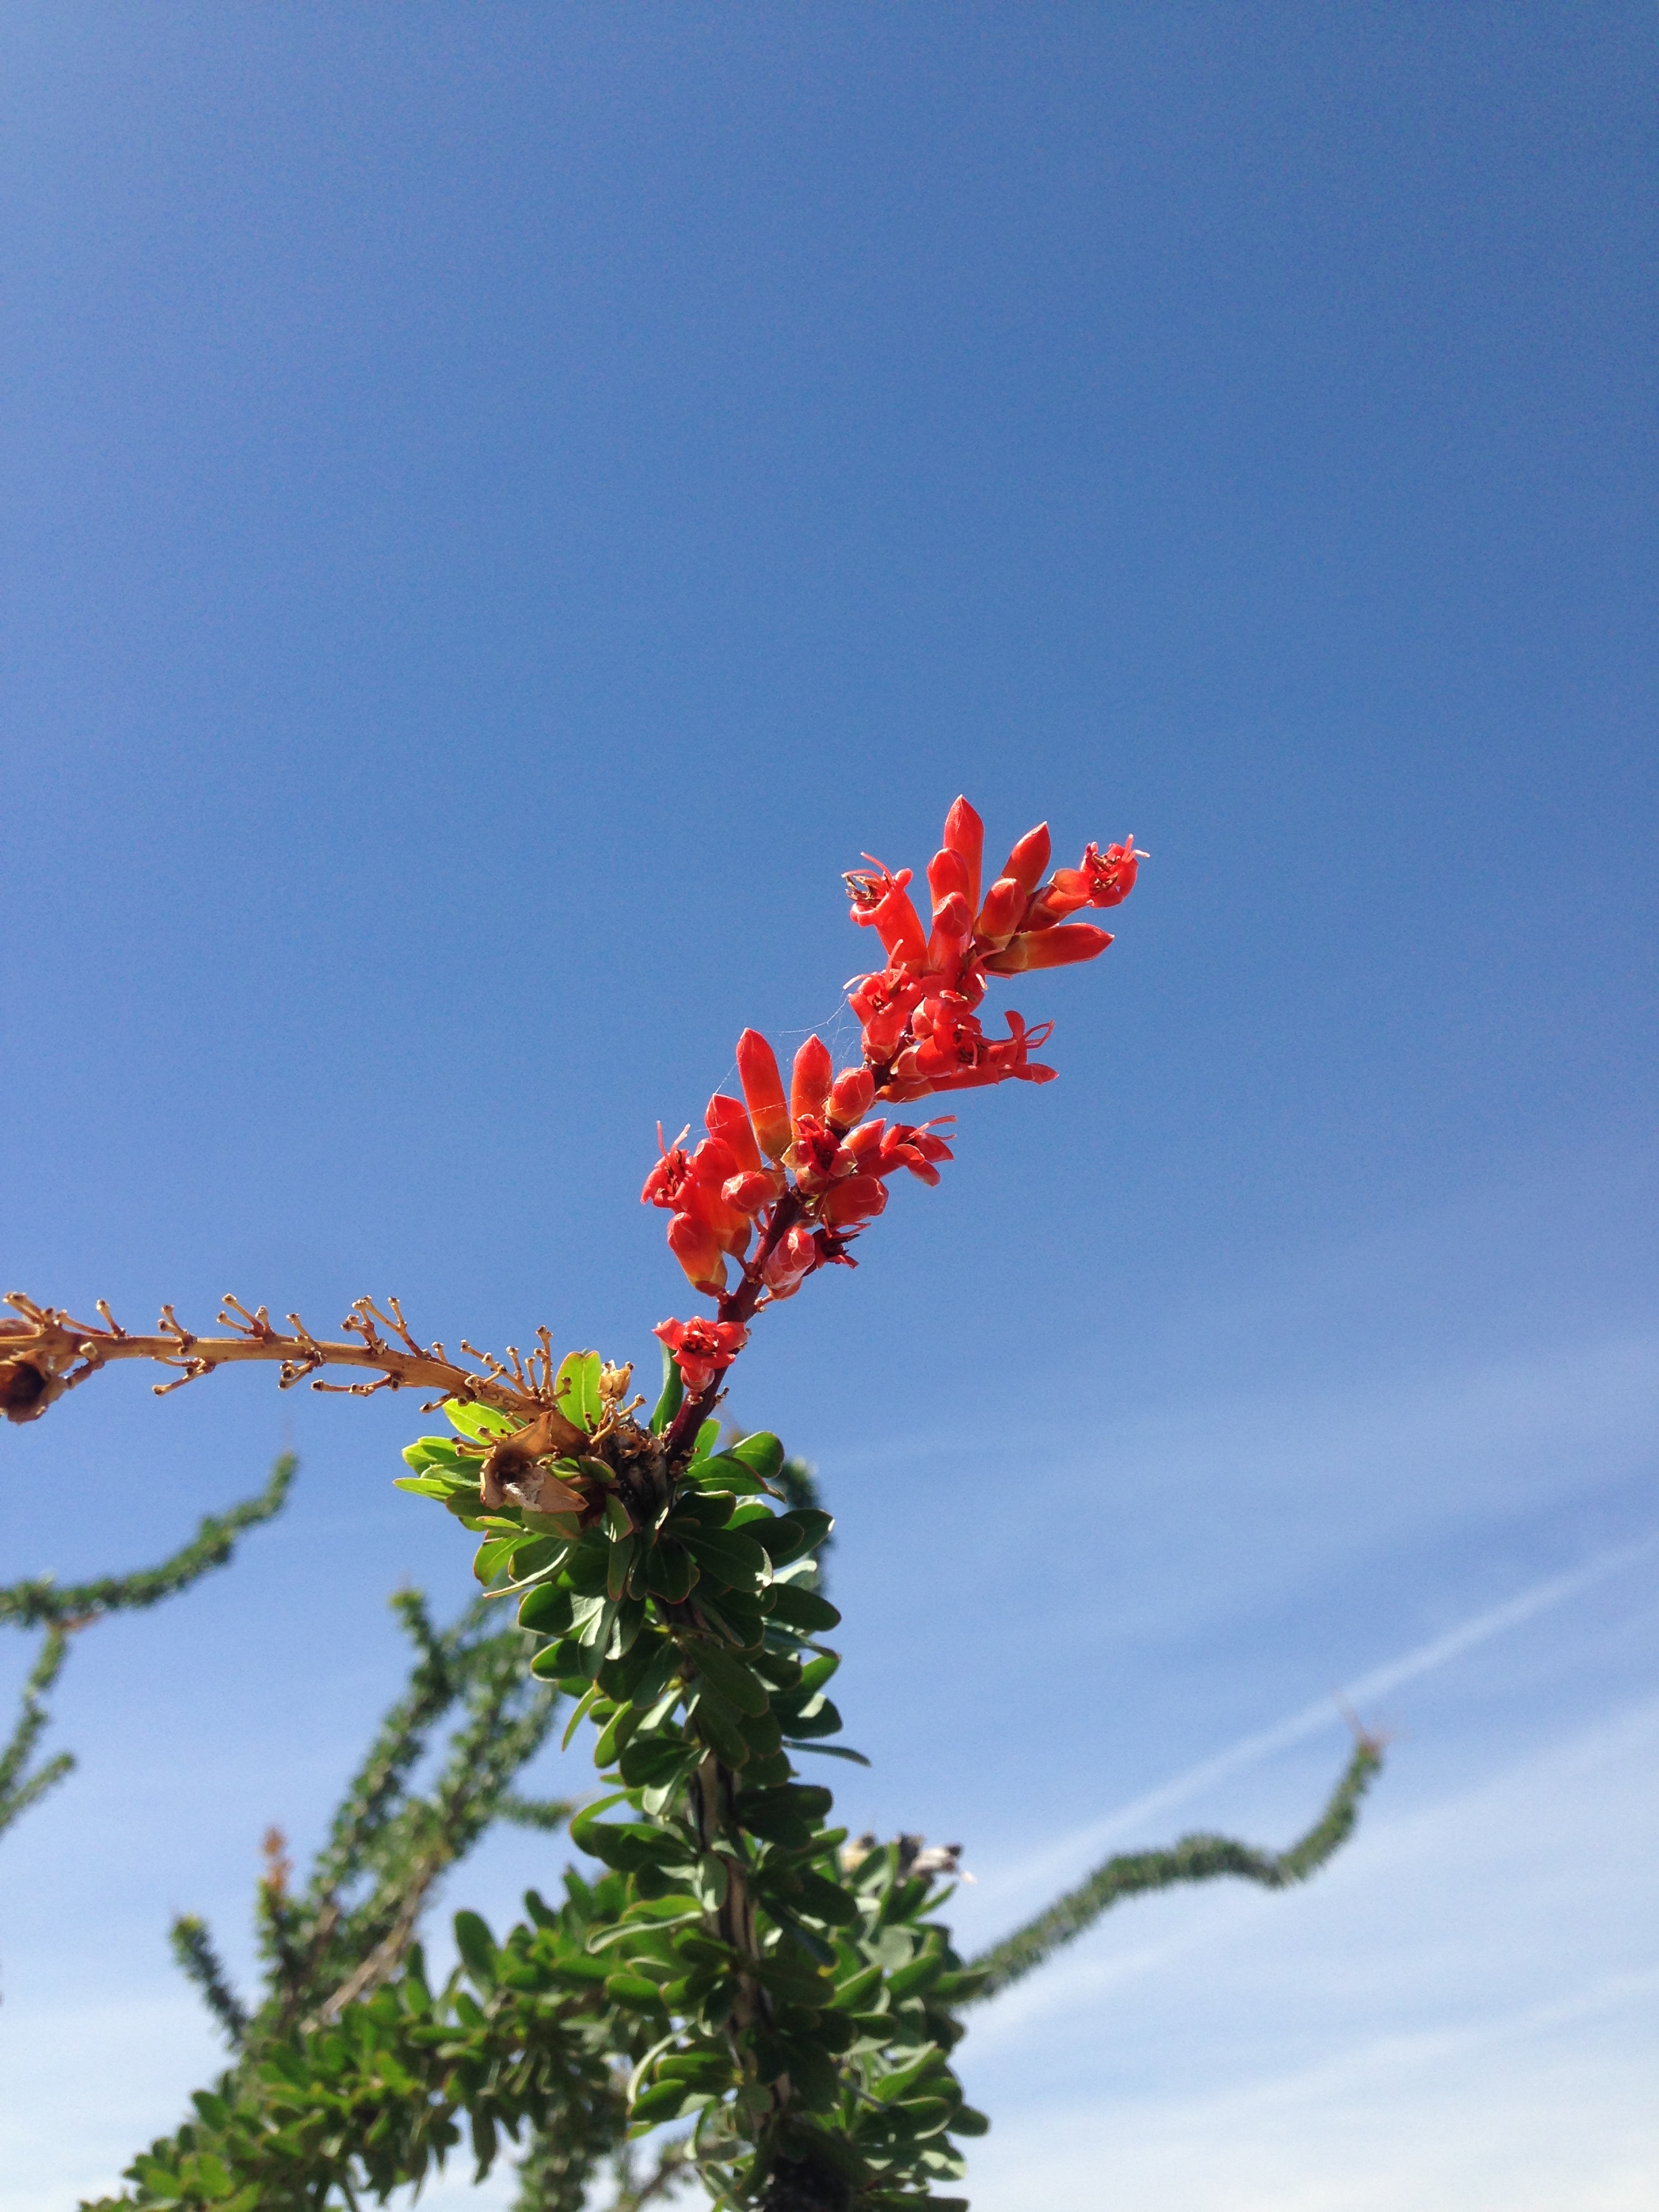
(800, 2009)
(375, 2100)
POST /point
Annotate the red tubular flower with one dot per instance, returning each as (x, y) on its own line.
(883, 1003)
(881, 900)
(1002, 912)
(1050, 948)
(754, 1190)
(953, 928)
(702, 1349)
(850, 1097)
(916, 1149)
(728, 1119)
(1029, 859)
(853, 1203)
(668, 1179)
(1003, 1057)
(697, 1249)
(948, 1041)
(712, 1167)
(809, 1086)
(763, 1087)
(964, 833)
(790, 1261)
(1100, 882)
(947, 876)
(818, 1156)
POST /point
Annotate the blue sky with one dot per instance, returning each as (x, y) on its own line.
(498, 509)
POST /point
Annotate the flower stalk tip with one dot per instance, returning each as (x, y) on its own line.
(785, 1182)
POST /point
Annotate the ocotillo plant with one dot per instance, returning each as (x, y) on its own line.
(64, 1609)
(797, 1999)
(289, 2125)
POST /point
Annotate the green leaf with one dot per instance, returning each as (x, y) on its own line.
(546, 1610)
(803, 1609)
(724, 1472)
(673, 1394)
(634, 1991)
(805, 1800)
(737, 1561)
(477, 1949)
(762, 1733)
(583, 1706)
(493, 1555)
(658, 1759)
(834, 1751)
(734, 1681)
(825, 1900)
(761, 1452)
(826, 1720)
(481, 1423)
(696, 1509)
(665, 2102)
(968, 2122)
(622, 1558)
(708, 1436)
(814, 1527)
(629, 1619)
(669, 1572)
(715, 1724)
(426, 1485)
(437, 1455)
(588, 1569)
(628, 1847)
(794, 1978)
(576, 1389)
(850, 1995)
(920, 1974)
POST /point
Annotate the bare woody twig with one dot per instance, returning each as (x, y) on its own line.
(47, 1351)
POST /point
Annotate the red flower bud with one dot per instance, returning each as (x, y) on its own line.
(964, 833)
(1028, 862)
(953, 925)
(727, 1120)
(855, 1201)
(1050, 948)
(809, 1087)
(697, 1249)
(1001, 913)
(851, 1095)
(753, 1190)
(789, 1262)
(763, 1087)
(947, 873)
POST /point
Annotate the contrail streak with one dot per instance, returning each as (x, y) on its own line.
(1322, 1713)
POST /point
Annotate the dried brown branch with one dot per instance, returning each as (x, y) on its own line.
(45, 1351)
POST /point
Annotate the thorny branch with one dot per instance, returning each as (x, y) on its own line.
(47, 1351)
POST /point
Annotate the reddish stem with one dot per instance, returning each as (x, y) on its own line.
(739, 1305)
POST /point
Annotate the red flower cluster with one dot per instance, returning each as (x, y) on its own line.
(921, 1027)
(808, 1171)
(803, 1174)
